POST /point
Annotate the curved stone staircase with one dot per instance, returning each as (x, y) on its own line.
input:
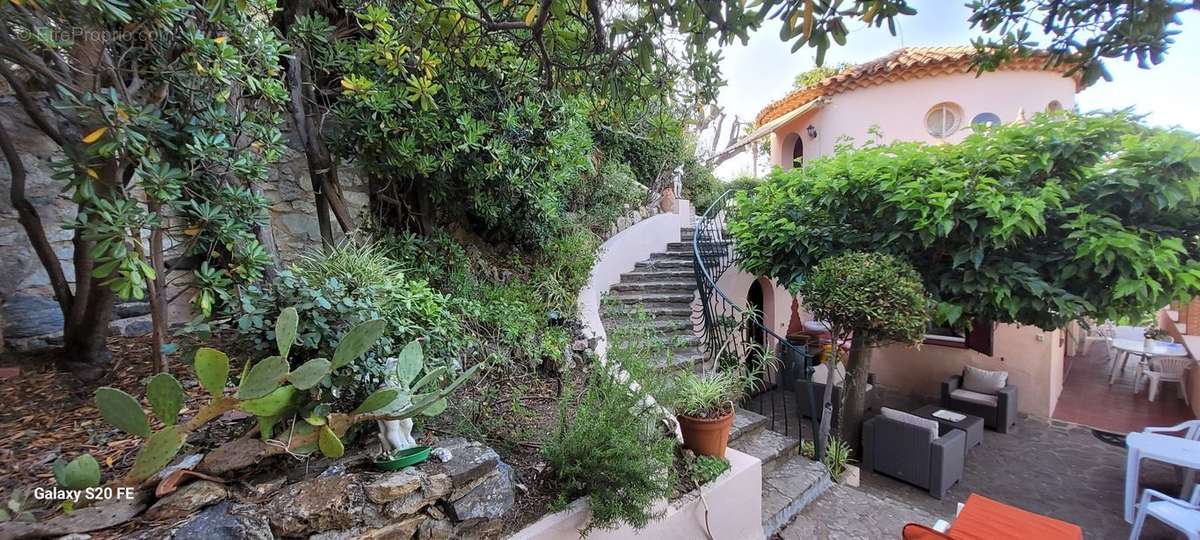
(664, 286)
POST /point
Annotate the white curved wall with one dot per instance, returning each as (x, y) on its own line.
(618, 254)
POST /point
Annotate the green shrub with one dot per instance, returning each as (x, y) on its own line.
(622, 461)
(708, 468)
(712, 394)
(340, 288)
(608, 445)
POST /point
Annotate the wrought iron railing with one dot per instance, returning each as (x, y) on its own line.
(732, 333)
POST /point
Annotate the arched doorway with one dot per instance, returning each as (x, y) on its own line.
(756, 305)
(798, 153)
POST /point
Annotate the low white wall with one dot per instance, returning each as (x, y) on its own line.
(617, 256)
(734, 510)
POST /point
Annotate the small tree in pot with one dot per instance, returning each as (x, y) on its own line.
(874, 299)
(704, 407)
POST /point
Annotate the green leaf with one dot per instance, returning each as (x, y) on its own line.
(378, 400)
(309, 374)
(285, 330)
(81, 473)
(272, 404)
(266, 426)
(263, 378)
(122, 411)
(410, 362)
(357, 342)
(212, 369)
(158, 451)
(429, 377)
(329, 443)
(435, 408)
(166, 397)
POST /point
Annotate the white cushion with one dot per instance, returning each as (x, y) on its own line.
(984, 381)
(911, 419)
(821, 373)
(975, 397)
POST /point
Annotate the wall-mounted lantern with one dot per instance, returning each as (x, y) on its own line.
(811, 131)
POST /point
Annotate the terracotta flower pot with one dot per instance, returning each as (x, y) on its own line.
(706, 436)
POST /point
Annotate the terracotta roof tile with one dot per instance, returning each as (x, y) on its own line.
(899, 65)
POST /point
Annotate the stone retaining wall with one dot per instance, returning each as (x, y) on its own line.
(28, 316)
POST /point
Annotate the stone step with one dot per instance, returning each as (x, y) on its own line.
(768, 446)
(683, 359)
(687, 246)
(658, 275)
(685, 285)
(673, 311)
(665, 263)
(746, 423)
(675, 342)
(672, 326)
(648, 299)
(788, 488)
(671, 256)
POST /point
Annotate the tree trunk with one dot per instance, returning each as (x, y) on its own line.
(158, 292)
(85, 338)
(827, 403)
(854, 391)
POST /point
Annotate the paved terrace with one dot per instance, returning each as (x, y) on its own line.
(1046, 466)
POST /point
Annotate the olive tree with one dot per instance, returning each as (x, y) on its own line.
(874, 299)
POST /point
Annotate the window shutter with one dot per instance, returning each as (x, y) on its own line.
(980, 336)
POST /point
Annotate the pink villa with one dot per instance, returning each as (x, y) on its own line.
(929, 95)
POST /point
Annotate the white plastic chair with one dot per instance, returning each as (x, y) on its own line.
(1183, 516)
(1169, 369)
(1189, 430)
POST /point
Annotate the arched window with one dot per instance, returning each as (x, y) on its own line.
(798, 152)
(943, 119)
(1053, 106)
(986, 119)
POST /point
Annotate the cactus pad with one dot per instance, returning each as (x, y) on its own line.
(329, 443)
(309, 374)
(158, 451)
(285, 330)
(378, 400)
(81, 473)
(122, 410)
(357, 342)
(263, 378)
(212, 368)
(166, 397)
(272, 404)
(410, 362)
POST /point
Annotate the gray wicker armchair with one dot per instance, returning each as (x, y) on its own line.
(907, 452)
(998, 410)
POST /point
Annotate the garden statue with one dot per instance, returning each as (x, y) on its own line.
(395, 434)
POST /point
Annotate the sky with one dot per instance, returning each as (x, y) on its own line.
(762, 70)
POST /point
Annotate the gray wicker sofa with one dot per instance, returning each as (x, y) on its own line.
(997, 406)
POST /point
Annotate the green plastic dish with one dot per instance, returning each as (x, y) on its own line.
(406, 458)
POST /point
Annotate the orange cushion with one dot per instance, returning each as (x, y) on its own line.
(913, 531)
(984, 519)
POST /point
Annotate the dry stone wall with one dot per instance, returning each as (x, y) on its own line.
(29, 317)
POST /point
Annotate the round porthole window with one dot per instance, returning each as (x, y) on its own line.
(943, 119)
(987, 119)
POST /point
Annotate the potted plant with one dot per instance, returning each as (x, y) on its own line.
(1153, 333)
(704, 408)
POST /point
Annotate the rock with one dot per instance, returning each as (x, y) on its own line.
(28, 316)
(125, 310)
(186, 500)
(393, 486)
(92, 518)
(400, 530)
(186, 462)
(435, 530)
(133, 326)
(225, 521)
(441, 454)
(267, 487)
(489, 499)
(317, 505)
(470, 462)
